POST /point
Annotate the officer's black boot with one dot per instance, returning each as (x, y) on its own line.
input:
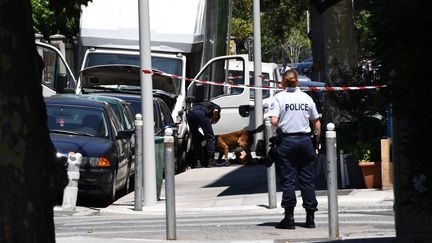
(310, 217)
(210, 163)
(198, 164)
(288, 221)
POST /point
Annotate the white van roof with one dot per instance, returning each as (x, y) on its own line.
(175, 26)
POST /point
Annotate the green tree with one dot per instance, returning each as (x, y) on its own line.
(297, 46)
(278, 18)
(241, 28)
(50, 17)
(43, 18)
(363, 33)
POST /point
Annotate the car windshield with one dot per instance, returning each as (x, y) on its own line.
(135, 104)
(77, 120)
(164, 64)
(136, 107)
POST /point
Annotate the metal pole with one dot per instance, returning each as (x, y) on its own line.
(257, 68)
(332, 181)
(228, 39)
(271, 171)
(138, 163)
(147, 105)
(170, 185)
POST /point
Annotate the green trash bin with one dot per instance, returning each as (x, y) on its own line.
(160, 164)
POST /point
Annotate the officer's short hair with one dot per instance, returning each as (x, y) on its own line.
(216, 116)
(290, 71)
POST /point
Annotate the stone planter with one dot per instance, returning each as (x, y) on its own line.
(371, 172)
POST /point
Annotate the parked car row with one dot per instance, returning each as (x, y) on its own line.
(123, 81)
(99, 121)
(91, 127)
(101, 128)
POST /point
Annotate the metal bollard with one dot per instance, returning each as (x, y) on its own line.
(70, 193)
(138, 186)
(331, 156)
(170, 185)
(271, 171)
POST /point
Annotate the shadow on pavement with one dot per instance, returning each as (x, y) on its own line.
(244, 180)
(253, 179)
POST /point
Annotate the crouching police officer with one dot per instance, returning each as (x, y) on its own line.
(293, 111)
(203, 115)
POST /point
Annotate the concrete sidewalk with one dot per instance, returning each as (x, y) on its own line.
(242, 190)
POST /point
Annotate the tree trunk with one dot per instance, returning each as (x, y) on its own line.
(30, 174)
(332, 36)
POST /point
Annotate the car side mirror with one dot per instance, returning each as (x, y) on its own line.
(244, 110)
(61, 84)
(125, 134)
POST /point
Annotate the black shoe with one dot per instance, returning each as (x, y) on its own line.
(211, 163)
(310, 220)
(288, 221)
(197, 164)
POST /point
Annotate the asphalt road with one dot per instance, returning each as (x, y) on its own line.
(352, 224)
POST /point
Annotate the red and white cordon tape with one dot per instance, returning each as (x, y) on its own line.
(266, 87)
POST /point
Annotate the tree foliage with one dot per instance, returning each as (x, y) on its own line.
(278, 19)
(57, 17)
(297, 45)
(282, 22)
(363, 33)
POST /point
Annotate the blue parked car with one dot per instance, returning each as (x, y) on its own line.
(92, 128)
(123, 81)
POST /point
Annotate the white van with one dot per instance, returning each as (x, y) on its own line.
(237, 103)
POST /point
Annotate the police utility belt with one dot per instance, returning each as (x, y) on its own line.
(295, 134)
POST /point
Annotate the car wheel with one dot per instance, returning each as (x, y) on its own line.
(126, 188)
(182, 151)
(111, 196)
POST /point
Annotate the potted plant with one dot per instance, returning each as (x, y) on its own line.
(371, 170)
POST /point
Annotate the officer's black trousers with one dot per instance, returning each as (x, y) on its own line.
(297, 160)
(198, 119)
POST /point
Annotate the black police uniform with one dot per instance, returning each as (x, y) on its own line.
(296, 153)
(199, 116)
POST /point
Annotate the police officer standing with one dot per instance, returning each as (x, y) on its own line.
(203, 115)
(292, 111)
